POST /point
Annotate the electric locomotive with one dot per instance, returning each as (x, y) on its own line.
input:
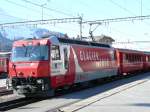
(51, 60)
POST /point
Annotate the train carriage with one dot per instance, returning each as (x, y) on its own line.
(45, 64)
(146, 61)
(129, 61)
(4, 60)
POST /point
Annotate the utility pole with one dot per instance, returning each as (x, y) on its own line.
(141, 8)
(81, 20)
(42, 6)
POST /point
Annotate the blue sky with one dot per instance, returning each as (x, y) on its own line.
(90, 10)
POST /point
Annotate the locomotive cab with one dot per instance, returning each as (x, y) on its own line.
(29, 67)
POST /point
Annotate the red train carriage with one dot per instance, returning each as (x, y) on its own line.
(4, 59)
(129, 61)
(42, 65)
(146, 61)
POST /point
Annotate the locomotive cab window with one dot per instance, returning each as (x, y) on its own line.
(55, 52)
(30, 53)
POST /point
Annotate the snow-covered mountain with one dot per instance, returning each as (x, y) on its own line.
(6, 34)
(9, 34)
(5, 44)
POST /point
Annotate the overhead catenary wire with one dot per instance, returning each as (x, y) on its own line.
(2, 14)
(23, 6)
(132, 18)
(43, 22)
(121, 7)
(47, 21)
(125, 9)
(50, 9)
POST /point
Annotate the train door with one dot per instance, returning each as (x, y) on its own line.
(68, 68)
(56, 61)
(60, 64)
(59, 59)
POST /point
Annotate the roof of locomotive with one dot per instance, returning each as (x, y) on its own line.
(42, 36)
(81, 42)
(57, 40)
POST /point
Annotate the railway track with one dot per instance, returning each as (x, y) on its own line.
(17, 103)
(4, 91)
(25, 101)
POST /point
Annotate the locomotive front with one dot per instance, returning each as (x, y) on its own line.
(29, 67)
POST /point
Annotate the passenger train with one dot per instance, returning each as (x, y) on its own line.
(4, 61)
(40, 65)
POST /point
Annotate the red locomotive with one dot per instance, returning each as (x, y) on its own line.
(4, 59)
(42, 65)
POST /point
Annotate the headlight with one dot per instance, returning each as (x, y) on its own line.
(39, 81)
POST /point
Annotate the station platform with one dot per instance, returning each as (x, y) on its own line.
(130, 97)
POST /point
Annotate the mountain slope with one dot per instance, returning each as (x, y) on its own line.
(5, 44)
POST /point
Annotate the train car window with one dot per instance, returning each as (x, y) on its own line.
(148, 58)
(125, 57)
(139, 58)
(130, 58)
(134, 58)
(55, 52)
